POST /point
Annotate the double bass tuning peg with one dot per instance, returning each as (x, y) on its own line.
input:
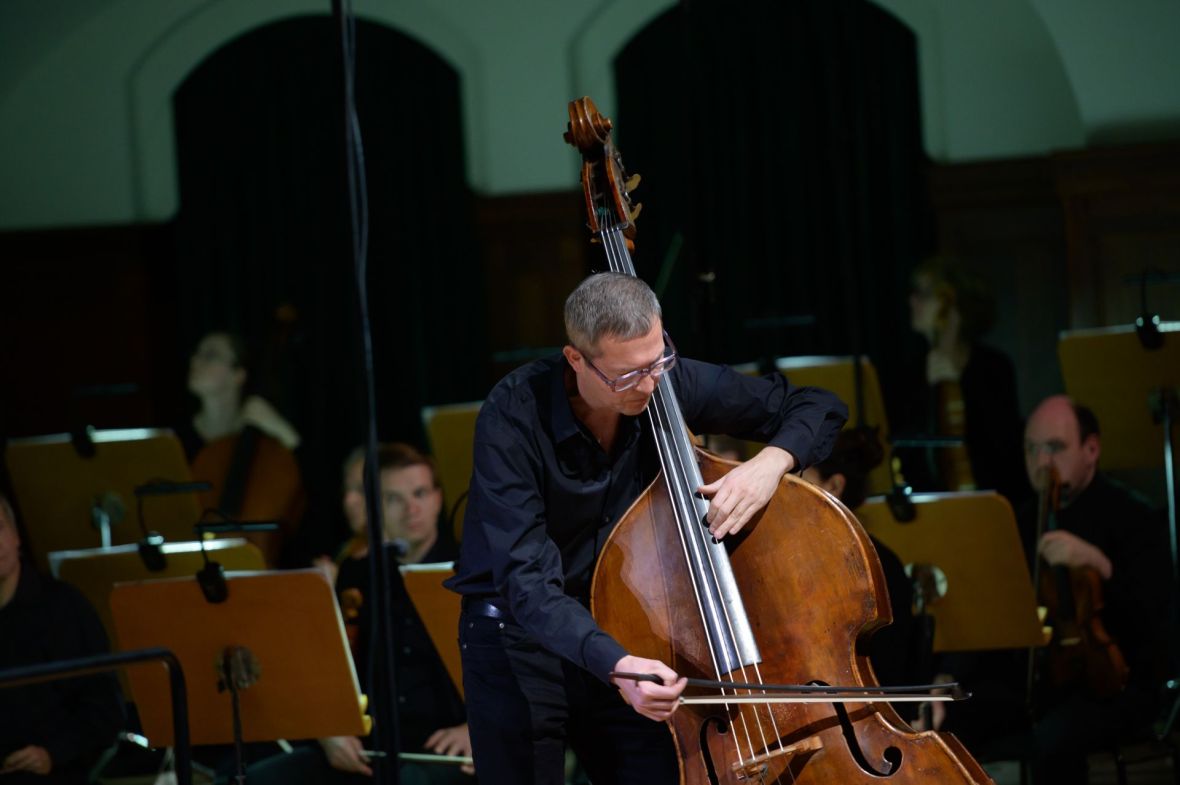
(632, 183)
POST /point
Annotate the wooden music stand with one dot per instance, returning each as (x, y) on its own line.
(988, 600)
(307, 686)
(58, 490)
(438, 608)
(451, 431)
(95, 571)
(1109, 371)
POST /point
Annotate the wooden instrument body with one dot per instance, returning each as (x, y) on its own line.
(271, 485)
(1081, 651)
(814, 590)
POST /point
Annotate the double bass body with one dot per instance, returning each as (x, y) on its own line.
(813, 590)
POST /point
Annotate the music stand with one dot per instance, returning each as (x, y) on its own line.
(95, 571)
(838, 375)
(63, 495)
(438, 608)
(1133, 391)
(289, 622)
(451, 432)
(987, 599)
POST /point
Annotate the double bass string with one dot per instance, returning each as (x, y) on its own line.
(678, 478)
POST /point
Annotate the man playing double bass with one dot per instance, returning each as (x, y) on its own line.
(562, 449)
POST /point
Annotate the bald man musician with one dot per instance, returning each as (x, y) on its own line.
(1100, 526)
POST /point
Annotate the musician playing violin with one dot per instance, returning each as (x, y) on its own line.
(562, 448)
(1103, 527)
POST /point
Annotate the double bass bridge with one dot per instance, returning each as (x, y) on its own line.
(756, 769)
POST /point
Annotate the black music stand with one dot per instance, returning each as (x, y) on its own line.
(1132, 390)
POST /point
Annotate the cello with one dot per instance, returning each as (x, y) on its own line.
(791, 599)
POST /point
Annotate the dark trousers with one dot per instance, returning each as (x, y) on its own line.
(525, 704)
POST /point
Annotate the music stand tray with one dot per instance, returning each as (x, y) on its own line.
(57, 488)
(438, 608)
(307, 686)
(971, 537)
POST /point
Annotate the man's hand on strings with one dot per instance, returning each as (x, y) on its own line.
(744, 491)
(654, 701)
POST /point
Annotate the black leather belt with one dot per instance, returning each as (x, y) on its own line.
(489, 609)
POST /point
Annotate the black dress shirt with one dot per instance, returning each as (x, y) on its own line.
(544, 495)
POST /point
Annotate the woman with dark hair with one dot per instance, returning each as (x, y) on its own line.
(218, 375)
(240, 444)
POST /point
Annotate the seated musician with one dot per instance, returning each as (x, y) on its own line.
(430, 712)
(217, 377)
(966, 388)
(1103, 527)
(257, 479)
(51, 732)
(894, 650)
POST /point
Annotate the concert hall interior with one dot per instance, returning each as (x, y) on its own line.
(960, 218)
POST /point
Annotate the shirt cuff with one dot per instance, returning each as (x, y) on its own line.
(601, 652)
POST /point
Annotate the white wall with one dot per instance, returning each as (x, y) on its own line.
(86, 85)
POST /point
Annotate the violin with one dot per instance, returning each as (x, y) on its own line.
(1080, 650)
(774, 622)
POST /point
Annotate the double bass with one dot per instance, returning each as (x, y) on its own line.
(790, 600)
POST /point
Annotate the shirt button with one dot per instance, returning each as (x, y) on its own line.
(401, 698)
(501, 625)
(405, 649)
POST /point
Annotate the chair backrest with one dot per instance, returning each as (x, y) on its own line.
(451, 430)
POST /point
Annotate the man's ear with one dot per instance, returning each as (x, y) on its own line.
(1092, 447)
(572, 355)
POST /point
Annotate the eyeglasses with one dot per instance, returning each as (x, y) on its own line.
(632, 378)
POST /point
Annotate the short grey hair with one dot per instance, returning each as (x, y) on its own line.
(609, 304)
